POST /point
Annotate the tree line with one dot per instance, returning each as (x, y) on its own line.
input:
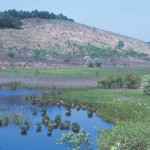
(12, 18)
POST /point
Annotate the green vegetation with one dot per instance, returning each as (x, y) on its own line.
(128, 80)
(79, 71)
(94, 51)
(9, 21)
(128, 109)
(11, 18)
(114, 105)
(10, 52)
(76, 141)
(39, 53)
(67, 57)
(120, 44)
(145, 85)
(126, 136)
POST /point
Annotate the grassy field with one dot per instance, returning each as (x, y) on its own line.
(114, 105)
(77, 71)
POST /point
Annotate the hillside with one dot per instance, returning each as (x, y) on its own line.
(58, 38)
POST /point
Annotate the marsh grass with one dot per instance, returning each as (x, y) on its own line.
(77, 71)
(113, 105)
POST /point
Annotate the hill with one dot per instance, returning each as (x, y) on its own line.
(48, 42)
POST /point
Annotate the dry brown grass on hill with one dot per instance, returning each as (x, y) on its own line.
(37, 33)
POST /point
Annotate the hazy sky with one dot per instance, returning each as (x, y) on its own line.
(127, 17)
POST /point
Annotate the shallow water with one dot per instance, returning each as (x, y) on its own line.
(11, 138)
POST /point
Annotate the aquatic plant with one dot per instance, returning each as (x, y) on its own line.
(6, 121)
(67, 124)
(84, 107)
(38, 127)
(45, 120)
(61, 126)
(34, 111)
(23, 130)
(49, 131)
(50, 124)
(76, 141)
(78, 107)
(1, 122)
(27, 98)
(43, 112)
(33, 101)
(57, 119)
(75, 127)
(26, 125)
(16, 119)
(58, 103)
(68, 111)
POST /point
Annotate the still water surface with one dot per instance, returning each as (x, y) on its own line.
(11, 138)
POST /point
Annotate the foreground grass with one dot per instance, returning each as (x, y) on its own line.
(77, 71)
(113, 105)
(129, 110)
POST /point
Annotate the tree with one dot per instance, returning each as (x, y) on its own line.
(97, 63)
(120, 44)
(11, 18)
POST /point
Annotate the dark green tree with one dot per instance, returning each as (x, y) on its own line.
(120, 44)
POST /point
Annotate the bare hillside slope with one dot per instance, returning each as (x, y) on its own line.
(63, 36)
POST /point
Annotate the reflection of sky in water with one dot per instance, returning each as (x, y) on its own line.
(19, 92)
(11, 139)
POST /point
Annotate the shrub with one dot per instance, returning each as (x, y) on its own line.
(1, 44)
(126, 136)
(97, 62)
(76, 141)
(120, 44)
(67, 57)
(111, 81)
(14, 84)
(145, 85)
(132, 80)
(90, 63)
(39, 53)
(129, 80)
(10, 52)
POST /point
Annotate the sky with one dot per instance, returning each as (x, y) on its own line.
(126, 17)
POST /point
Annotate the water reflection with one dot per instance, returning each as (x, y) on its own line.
(10, 137)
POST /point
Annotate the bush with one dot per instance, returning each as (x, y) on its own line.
(97, 62)
(10, 52)
(67, 57)
(90, 63)
(145, 85)
(120, 44)
(39, 53)
(111, 81)
(126, 136)
(132, 80)
(76, 141)
(129, 80)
